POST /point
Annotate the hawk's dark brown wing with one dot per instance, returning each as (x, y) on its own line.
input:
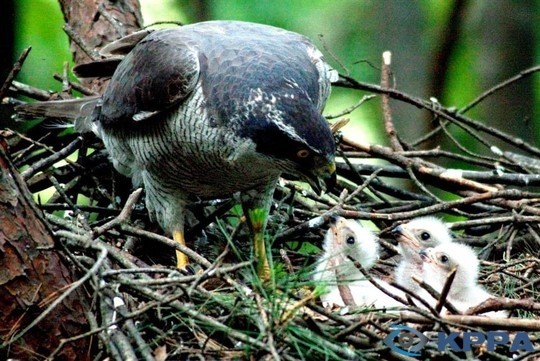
(160, 71)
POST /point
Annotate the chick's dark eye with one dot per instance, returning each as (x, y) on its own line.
(425, 236)
(444, 258)
(350, 240)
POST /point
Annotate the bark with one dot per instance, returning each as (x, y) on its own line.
(31, 272)
(94, 24)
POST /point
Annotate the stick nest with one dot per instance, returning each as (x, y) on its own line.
(139, 306)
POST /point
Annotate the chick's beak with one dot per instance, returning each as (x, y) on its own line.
(337, 225)
(426, 255)
(396, 231)
(333, 218)
(404, 236)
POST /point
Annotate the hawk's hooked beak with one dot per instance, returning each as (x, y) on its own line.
(323, 178)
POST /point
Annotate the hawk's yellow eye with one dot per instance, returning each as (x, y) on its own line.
(302, 153)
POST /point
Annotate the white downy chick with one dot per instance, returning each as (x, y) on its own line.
(347, 238)
(412, 237)
(465, 291)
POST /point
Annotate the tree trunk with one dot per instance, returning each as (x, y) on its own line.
(31, 276)
(95, 23)
(32, 272)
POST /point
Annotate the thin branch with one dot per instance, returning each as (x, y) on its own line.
(522, 74)
(17, 67)
(385, 100)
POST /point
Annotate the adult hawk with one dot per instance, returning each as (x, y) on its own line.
(206, 110)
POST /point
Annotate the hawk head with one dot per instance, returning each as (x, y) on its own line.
(286, 126)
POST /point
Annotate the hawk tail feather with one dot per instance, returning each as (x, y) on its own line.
(76, 111)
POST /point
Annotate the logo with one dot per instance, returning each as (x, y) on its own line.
(409, 342)
(406, 344)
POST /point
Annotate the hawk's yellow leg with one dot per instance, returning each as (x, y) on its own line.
(181, 259)
(257, 219)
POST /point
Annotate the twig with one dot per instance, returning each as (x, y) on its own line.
(350, 109)
(123, 216)
(441, 301)
(190, 253)
(385, 99)
(359, 266)
(489, 177)
(30, 91)
(436, 295)
(345, 291)
(286, 260)
(509, 324)
(17, 67)
(78, 87)
(266, 329)
(448, 114)
(120, 29)
(142, 346)
(522, 74)
(211, 322)
(76, 38)
(430, 209)
(496, 304)
(53, 158)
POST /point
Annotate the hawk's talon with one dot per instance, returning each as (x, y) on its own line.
(188, 270)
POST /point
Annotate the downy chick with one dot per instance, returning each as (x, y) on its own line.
(347, 238)
(412, 237)
(465, 291)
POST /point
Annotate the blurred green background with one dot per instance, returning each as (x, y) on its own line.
(452, 50)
